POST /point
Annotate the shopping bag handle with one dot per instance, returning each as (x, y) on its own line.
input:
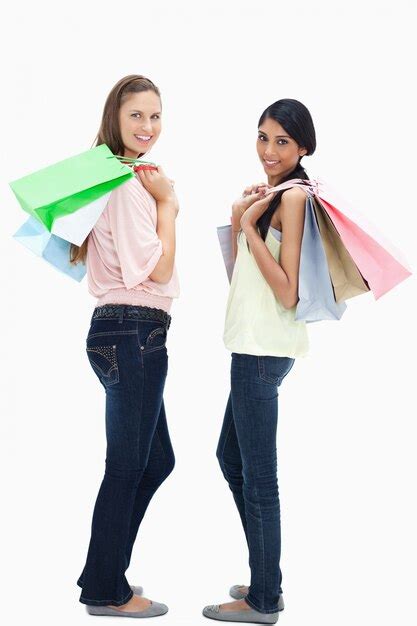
(312, 186)
(130, 161)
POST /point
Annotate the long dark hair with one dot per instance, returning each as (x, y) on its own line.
(296, 120)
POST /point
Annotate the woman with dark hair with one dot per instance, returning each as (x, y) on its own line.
(130, 256)
(265, 339)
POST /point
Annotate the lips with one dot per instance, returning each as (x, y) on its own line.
(143, 138)
(269, 163)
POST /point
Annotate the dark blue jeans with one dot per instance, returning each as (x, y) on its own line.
(247, 454)
(130, 359)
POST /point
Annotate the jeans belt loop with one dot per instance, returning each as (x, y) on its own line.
(121, 313)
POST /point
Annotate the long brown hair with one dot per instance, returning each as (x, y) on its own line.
(109, 131)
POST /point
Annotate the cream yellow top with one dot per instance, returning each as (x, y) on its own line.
(256, 322)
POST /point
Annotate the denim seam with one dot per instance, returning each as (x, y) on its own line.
(226, 438)
(263, 545)
(262, 375)
(123, 601)
(254, 606)
(111, 332)
(114, 368)
(141, 401)
(147, 350)
(260, 516)
(163, 449)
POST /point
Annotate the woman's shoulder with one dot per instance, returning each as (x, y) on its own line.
(292, 200)
(132, 189)
(292, 208)
(294, 194)
(132, 185)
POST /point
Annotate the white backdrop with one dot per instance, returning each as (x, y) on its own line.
(346, 436)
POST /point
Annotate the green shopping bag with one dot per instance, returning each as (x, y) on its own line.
(62, 188)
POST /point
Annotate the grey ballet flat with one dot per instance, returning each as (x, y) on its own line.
(137, 590)
(238, 595)
(250, 615)
(156, 608)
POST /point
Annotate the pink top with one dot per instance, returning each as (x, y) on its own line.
(123, 249)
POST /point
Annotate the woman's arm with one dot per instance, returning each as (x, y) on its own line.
(237, 213)
(250, 195)
(283, 276)
(165, 229)
(234, 242)
(167, 207)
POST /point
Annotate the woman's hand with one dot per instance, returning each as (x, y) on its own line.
(250, 195)
(158, 184)
(254, 212)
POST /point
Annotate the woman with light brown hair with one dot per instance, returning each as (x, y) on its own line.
(130, 258)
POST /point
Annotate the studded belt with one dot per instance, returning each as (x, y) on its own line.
(131, 312)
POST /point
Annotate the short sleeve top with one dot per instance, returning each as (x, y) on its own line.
(123, 247)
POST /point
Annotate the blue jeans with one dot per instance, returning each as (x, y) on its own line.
(130, 359)
(247, 454)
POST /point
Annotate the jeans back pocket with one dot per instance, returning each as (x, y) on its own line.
(103, 360)
(273, 369)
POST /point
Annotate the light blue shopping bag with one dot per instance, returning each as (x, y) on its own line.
(224, 234)
(315, 290)
(54, 250)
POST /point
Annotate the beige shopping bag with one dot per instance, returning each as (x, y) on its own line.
(346, 279)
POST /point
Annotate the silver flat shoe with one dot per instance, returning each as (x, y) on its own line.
(250, 615)
(137, 590)
(238, 595)
(156, 608)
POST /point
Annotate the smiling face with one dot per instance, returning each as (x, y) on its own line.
(140, 122)
(277, 151)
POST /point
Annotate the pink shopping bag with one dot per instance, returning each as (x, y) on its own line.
(379, 261)
(382, 270)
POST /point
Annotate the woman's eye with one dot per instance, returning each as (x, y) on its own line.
(280, 141)
(156, 116)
